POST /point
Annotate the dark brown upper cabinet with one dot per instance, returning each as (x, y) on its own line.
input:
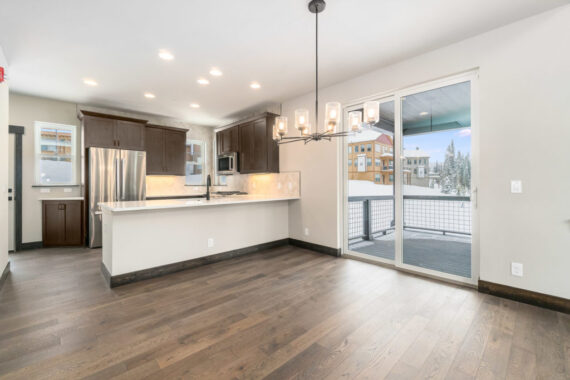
(227, 140)
(62, 223)
(109, 131)
(257, 152)
(165, 150)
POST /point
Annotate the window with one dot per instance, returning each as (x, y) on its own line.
(55, 153)
(415, 170)
(421, 172)
(369, 147)
(195, 162)
(391, 163)
(409, 162)
(349, 149)
(377, 148)
(415, 162)
(355, 163)
(356, 148)
(391, 178)
(377, 177)
(377, 162)
(349, 162)
(362, 148)
(368, 161)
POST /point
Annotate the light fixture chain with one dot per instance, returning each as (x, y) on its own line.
(317, 72)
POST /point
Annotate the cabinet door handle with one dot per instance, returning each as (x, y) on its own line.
(61, 206)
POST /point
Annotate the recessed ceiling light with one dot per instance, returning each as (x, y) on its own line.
(255, 85)
(90, 82)
(215, 72)
(149, 95)
(424, 113)
(166, 55)
(203, 81)
(194, 105)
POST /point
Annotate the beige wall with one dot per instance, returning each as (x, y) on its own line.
(524, 96)
(25, 110)
(3, 168)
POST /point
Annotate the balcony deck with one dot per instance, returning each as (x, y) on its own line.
(432, 250)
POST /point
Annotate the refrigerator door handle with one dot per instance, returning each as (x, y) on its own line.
(121, 183)
(118, 183)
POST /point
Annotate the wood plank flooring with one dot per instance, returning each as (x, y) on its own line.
(279, 314)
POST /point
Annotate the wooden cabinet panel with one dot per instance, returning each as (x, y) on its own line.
(130, 135)
(247, 148)
(154, 142)
(62, 223)
(227, 141)
(99, 132)
(260, 146)
(165, 151)
(174, 152)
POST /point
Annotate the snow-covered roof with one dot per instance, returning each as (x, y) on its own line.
(386, 155)
(415, 153)
(370, 135)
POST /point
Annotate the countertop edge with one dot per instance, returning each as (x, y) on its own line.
(111, 209)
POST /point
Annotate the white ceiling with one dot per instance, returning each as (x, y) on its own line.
(52, 45)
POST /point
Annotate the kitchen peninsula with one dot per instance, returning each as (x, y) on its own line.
(145, 239)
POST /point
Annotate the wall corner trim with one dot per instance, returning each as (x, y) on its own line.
(5, 274)
(316, 247)
(526, 296)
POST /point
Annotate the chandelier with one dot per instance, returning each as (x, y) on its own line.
(371, 109)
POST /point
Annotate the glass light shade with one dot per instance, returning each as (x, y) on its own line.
(301, 119)
(355, 121)
(276, 136)
(332, 116)
(371, 112)
(306, 131)
(281, 125)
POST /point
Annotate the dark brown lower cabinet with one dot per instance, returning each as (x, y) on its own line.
(62, 223)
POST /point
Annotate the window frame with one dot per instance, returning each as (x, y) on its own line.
(203, 148)
(38, 155)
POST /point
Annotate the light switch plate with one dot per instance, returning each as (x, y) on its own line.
(517, 269)
(516, 186)
(67, 190)
(210, 242)
(306, 231)
(45, 190)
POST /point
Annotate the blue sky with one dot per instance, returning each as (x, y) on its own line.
(436, 143)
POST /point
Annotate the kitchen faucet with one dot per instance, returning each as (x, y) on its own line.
(208, 184)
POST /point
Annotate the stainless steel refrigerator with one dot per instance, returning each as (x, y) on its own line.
(114, 175)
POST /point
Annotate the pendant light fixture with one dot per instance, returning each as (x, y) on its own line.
(333, 110)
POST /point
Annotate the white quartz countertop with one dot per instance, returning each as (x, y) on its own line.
(60, 198)
(158, 204)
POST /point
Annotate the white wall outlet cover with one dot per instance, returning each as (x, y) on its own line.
(67, 190)
(210, 242)
(279, 185)
(290, 185)
(517, 269)
(516, 186)
(306, 231)
(45, 190)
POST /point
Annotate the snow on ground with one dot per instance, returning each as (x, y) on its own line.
(358, 188)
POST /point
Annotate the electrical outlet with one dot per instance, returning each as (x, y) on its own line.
(290, 185)
(279, 185)
(44, 190)
(210, 242)
(306, 231)
(517, 269)
(516, 186)
(67, 190)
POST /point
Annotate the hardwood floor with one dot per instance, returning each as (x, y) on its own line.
(279, 314)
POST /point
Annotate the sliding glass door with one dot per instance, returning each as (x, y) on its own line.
(410, 180)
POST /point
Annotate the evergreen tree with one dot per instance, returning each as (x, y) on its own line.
(449, 171)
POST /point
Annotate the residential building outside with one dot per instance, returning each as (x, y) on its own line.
(416, 167)
(371, 158)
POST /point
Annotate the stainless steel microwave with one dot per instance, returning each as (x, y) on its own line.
(227, 164)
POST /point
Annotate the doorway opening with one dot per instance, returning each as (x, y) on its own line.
(410, 182)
